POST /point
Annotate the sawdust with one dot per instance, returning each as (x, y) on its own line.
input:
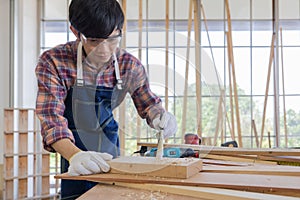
(151, 195)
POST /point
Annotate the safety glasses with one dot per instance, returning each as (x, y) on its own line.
(112, 40)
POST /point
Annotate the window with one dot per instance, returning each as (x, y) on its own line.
(252, 29)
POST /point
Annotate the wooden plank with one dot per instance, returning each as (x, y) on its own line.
(45, 185)
(269, 139)
(186, 77)
(267, 90)
(254, 169)
(8, 120)
(23, 120)
(230, 89)
(8, 143)
(45, 170)
(219, 117)
(22, 188)
(8, 189)
(23, 142)
(283, 92)
(223, 163)
(151, 166)
(271, 184)
(255, 133)
(294, 159)
(198, 67)
(216, 71)
(239, 159)
(167, 58)
(229, 38)
(140, 50)
(23, 151)
(22, 167)
(231, 151)
(205, 192)
(114, 192)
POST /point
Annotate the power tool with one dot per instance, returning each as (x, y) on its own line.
(230, 144)
(170, 152)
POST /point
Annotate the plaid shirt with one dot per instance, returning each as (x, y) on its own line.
(56, 73)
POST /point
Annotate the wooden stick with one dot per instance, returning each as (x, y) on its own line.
(219, 118)
(210, 46)
(138, 119)
(187, 63)
(216, 71)
(228, 123)
(255, 133)
(122, 107)
(222, 132)
(140, 28)
(267, 90)
(236, 108)
(283, 92)
(230, 88)
(167, 58)
(198, 69)
(124, 8)
(233, 75)
(269, 139)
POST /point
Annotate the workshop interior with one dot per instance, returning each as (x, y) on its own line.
(226, 70)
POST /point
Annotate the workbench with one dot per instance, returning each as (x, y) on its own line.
(219, 179)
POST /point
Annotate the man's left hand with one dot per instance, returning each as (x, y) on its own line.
(167, 123)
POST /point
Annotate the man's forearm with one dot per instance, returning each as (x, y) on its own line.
(66, 148)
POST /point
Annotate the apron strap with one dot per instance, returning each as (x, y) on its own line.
(117, 72)
(79, 80)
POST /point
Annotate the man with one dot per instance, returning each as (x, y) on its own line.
(81, 82)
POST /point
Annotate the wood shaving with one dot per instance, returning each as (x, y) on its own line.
(151, 195)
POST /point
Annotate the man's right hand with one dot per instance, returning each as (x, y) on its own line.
(89, 162)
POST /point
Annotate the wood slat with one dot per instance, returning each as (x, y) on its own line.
(232, 151)
(205, 192)
(283, 185)
(255, 169)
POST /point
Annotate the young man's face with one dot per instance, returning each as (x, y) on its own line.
(98, 50)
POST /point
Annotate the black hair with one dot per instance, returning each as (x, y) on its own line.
(96, 18)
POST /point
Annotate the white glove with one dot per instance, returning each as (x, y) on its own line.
(167, 123)
(89, 162)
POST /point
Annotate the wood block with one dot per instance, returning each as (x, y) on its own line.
(151, 166)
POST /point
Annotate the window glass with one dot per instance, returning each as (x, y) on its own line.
(55, 9)
(55, 33)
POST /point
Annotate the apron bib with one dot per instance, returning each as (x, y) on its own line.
(88, 109)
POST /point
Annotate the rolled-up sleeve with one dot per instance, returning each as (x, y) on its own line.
(50, 103)
(146, 102)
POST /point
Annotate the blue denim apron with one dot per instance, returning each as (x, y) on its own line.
(90, 118)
